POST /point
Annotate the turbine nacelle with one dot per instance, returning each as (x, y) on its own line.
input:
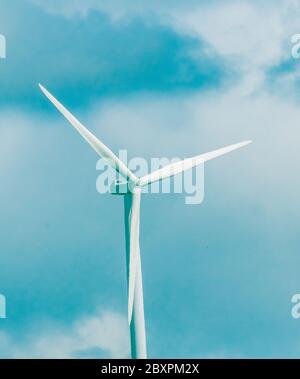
(122, 187)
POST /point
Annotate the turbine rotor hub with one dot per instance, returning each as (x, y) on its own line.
(122, 187)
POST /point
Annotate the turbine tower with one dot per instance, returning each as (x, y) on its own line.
(131, 189)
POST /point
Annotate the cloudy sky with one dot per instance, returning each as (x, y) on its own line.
(172, 78)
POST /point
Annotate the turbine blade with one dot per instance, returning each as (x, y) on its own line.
(134, 249)
(92, 140)
(186, 164)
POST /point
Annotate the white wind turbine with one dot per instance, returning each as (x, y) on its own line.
(132, 199)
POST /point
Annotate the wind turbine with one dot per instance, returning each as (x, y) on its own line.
(132, 199)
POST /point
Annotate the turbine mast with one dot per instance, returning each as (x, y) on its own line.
(137, 320)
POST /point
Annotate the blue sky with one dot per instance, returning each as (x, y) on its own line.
(160, 80)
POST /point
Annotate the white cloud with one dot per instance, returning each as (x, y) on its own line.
(104, 334)
(186, 126)
(243, 29)
(255, 35)
(115, 8)
(173, 126)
